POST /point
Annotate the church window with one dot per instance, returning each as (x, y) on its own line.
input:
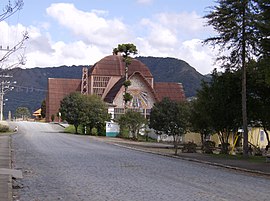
(99, 84)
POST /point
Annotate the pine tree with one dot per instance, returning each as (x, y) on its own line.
(233, 20)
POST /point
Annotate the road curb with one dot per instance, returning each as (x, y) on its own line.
(194, 160)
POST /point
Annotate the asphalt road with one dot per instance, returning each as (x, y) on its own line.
(59, 166)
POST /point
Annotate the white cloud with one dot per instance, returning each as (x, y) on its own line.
(90, 27)
(76, 53)
(186, 24)
(177, 35)
(192, 51)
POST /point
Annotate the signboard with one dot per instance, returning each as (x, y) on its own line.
(112, 129)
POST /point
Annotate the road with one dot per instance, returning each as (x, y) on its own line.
(58, 166)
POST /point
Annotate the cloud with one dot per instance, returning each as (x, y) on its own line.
(178, 35)
(96, 33)
(64, 54)
(192, 51)
(91, 27)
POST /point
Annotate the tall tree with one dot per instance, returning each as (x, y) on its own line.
(70, 109)
(259, 96)
(126, 50)
(233, 20)
(263, 24)
(220, 98)
(171, 118)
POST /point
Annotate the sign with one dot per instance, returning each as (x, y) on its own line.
(112, 129)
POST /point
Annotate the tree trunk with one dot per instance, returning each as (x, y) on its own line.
(244, 81)
(76, 129)
(267, 136)
(176, 149)
(175, 144)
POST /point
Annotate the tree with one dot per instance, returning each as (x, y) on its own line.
(43, 109)
(22, 112)
(263, 24)
(171, 118)
(200, 120)
(220, 98)
(71, 108)
(8, 11)
(234, 23)
(93, 112)
(126, 50)
(132, 120)
(259, 96)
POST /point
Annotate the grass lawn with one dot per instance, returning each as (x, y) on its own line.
(71, 129)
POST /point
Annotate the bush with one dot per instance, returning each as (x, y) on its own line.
(4, 128)
(189, 147)
(124, 133)
(224, 148)
(94, 131)
(208, 147)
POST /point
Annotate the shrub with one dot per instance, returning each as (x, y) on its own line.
(208, 147)
(224, 148)
(189, 147)
(94, 131)
(4, 128)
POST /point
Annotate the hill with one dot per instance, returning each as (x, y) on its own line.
(31, 86)
(174, 70)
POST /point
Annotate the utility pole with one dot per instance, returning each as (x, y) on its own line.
(5, 87)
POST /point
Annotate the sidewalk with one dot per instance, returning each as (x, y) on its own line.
(5, 164)
(230, 162)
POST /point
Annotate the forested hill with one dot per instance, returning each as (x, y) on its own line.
(31, 85)
(174, 70)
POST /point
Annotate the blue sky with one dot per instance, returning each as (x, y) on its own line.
(81, 32)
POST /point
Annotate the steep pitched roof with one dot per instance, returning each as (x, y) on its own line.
(171, 90)
(114, 90)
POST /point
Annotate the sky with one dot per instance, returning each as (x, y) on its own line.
(81, 32)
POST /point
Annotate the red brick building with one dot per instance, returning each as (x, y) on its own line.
(106, 78)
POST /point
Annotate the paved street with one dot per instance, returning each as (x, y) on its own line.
(59, 166)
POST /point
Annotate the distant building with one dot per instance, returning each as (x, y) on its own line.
(37, 113)
(106, 79)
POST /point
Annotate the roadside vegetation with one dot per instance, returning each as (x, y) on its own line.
(4, 129)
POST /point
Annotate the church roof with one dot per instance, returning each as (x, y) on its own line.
(171, 90)
(114, 65)
(114, 90)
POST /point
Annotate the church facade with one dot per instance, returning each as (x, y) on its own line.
(106, 79)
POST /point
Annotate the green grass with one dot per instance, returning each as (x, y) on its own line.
(71, 129)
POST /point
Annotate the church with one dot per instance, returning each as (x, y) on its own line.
(106, 79)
